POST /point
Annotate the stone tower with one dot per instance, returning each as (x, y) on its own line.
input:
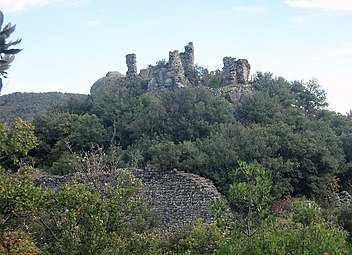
(131, 61)
(175, 66)
(242, 70)
(187, 57)
(235, 71)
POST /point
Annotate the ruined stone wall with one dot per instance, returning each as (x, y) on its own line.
(235, 72)
(175, 68)
(187, 58)
(177, 199)
(131, 62)
(179, 71)
(229, 71)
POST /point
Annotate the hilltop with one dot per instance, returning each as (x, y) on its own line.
(180, 71)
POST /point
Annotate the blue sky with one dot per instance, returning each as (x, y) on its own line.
(69, 44)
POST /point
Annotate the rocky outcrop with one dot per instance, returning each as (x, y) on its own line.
(176, 199)
(115, 74)
(131, 61)
(110, 80)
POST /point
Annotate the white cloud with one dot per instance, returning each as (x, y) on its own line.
(21, 5)
(329, 5)
(298, 20)
(250, 8)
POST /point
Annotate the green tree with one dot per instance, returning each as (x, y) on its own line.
(19, 197)
(250, 196)
(86, 216)
(191, 113)
(7, 54)
(15, 143)
(61, 134)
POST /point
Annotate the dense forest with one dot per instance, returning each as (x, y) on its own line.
(278, 156)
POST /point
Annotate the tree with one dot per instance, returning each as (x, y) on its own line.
(15, 143)
(19, 198)
(58, 133)
(250, 196)
(7, 54)
(91, 216)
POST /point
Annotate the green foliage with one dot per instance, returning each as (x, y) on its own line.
(19, 199)
(282, 237)
(17, 243)
(7, 54)
(27, 105)
(301, 230)
(250, 196)
(82, 219)
(60, 134)
(159, 64)
(200, 239)
(192, 113)
(344, 219)
(15, 143)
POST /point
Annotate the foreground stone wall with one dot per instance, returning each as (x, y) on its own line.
(176, 199)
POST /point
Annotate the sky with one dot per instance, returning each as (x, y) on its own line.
(69, 44)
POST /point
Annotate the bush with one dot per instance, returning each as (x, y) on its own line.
(344, 219)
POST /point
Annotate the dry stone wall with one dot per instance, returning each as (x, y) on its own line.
(176, 199)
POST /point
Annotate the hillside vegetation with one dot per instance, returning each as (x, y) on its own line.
(27, 105)
(299, 156)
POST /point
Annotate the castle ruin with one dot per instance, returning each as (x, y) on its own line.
(179, 72)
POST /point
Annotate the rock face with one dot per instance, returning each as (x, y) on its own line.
(177, 199)
(131, 61)
(111, 79)
(115, 74)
